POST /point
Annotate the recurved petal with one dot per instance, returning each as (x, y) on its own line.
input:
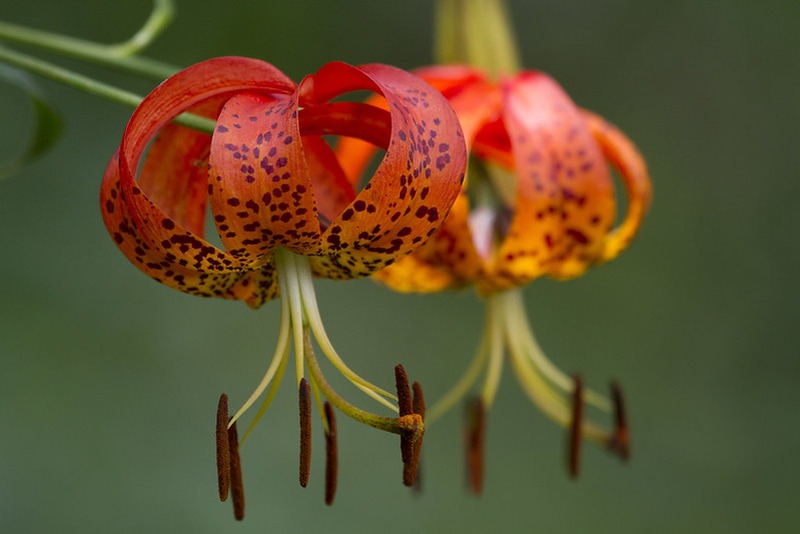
(447, 260)
(149, 236)
(564, 202)
(259, 185)
(174, 175)
(332, 190)
(415, 184)
(156, 245)
(623, 155)
(451, 79)
(450, 258)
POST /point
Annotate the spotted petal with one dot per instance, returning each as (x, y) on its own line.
(260, 187)
(626, 159)
(154, 237)
(564, 203)
(449, 258)
(411, 191)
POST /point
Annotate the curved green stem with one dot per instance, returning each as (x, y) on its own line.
(160, 17)
(119, 56)
(92, 87)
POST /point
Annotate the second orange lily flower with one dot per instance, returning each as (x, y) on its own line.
(539, 200)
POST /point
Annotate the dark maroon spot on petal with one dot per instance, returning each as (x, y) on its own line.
(577, 235)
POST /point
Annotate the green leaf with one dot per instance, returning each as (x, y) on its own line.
(48, 122)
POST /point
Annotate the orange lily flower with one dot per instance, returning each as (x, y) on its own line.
(538, 200)
(284, 212)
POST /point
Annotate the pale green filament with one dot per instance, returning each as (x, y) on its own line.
(277, 364)
(495, 367)
(287, 270)
(270, 395)
(519, 325)
(467, 380)
(506, 329)
(388, 424)
(314, 320)
(300, 318)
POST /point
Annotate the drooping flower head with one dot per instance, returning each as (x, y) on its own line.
(283, 207)
(539, 200)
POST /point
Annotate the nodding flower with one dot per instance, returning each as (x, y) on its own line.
(539, 200)
(285, 212)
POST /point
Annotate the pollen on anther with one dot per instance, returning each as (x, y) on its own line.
(576, 427)
(475, 437)
(405, 406)
(331, 455)
(223, 449)
(305, 431)
(411, 469)
(237, 485)
(620, 439)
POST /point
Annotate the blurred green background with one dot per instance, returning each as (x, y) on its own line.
(109, 382)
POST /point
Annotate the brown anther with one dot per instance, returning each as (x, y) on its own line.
(474, 438)
(405, 401)
(223, 449)
(331, 455)
(620, 440)
(237, 486)
(305, 431)
(418, 403)
(405, 407)
(576, 427)
(411, 469)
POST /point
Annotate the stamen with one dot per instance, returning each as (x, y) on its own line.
(305, 431)
(237, 486)
(411, 469)
(223, 449)
(474, 437)
(405, 407)
(331, 455)
(576, 427)
(277, 365)
(388, 424)
(620, 440)
(312, 315)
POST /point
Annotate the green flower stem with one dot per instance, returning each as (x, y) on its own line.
(119, 56)
(477, 33)
(160, 17)
(92, 87)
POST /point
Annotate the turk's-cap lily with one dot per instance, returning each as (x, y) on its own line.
(284, 211)
(538, 200)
